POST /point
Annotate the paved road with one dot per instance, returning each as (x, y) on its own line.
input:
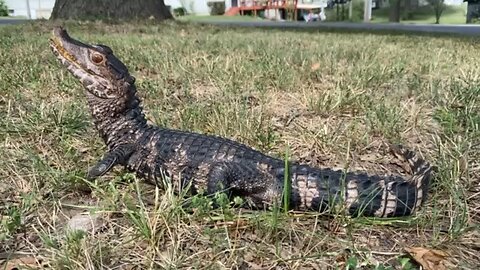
(11, 21)
(465, 30)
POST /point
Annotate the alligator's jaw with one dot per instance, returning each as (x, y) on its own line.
(64, 47)
(74, 55)
(56, 43)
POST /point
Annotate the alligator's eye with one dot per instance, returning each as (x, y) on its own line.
(97, 58)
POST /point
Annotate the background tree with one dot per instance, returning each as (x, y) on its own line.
(473, 10)
(409, 8)
(395, 10)
(438, 7)
(110, 10)
(3, 8)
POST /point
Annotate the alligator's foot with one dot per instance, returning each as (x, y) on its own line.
(244, 180)
(118, 155)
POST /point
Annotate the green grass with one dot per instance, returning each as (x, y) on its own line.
(327, 99)
(421, 15)
(199, 18)
(426, 15)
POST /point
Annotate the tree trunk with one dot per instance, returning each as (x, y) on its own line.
(473, 10)
(407, 10)
(123, 10)
(395, 10)
(438, 13)
(438, 7)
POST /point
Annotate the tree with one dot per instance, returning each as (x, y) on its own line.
(438, 6)
(110, 10)
(473, 10)
(395, 8)
(3, 8)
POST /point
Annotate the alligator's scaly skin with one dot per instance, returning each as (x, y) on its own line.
(210, 164)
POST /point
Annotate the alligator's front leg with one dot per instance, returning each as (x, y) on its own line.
(116, 156)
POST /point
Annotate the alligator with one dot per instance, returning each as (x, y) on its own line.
(207, 164)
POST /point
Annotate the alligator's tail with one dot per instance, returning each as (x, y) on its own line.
(361, 194)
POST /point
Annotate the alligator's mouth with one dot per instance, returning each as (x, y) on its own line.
(98, 77)
(65, 47)
(70, 52)
(57, 46)
(58, 40)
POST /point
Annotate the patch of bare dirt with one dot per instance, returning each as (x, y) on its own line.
(204, 92)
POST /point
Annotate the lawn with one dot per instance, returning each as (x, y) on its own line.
(426, 15)
(200, 18)
(420, 15)
(331, 99)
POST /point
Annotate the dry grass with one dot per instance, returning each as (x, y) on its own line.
(329, 98)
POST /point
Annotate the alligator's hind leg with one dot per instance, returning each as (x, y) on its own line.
(245, 180)
(118, 155)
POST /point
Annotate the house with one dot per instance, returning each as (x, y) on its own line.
(32, 9)
(197, 7)
(473, 10)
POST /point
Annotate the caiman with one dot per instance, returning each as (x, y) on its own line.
(208, 164)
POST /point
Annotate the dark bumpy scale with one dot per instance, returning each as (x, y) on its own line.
(211, 164)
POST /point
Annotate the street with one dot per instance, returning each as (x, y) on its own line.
(463, 29)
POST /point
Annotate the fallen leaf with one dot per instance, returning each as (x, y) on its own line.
(86, 222)
(315, 67)
(20, 263)
(371, 157)
(253, 265)
(430, 259)
(234, 224)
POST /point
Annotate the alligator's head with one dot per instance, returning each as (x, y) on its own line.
(103, 75)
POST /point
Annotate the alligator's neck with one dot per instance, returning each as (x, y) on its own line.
(118, 127)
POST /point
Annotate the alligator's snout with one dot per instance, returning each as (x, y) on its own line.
(60, 33)
(62, 40)
(66, 47)
(59, 36)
